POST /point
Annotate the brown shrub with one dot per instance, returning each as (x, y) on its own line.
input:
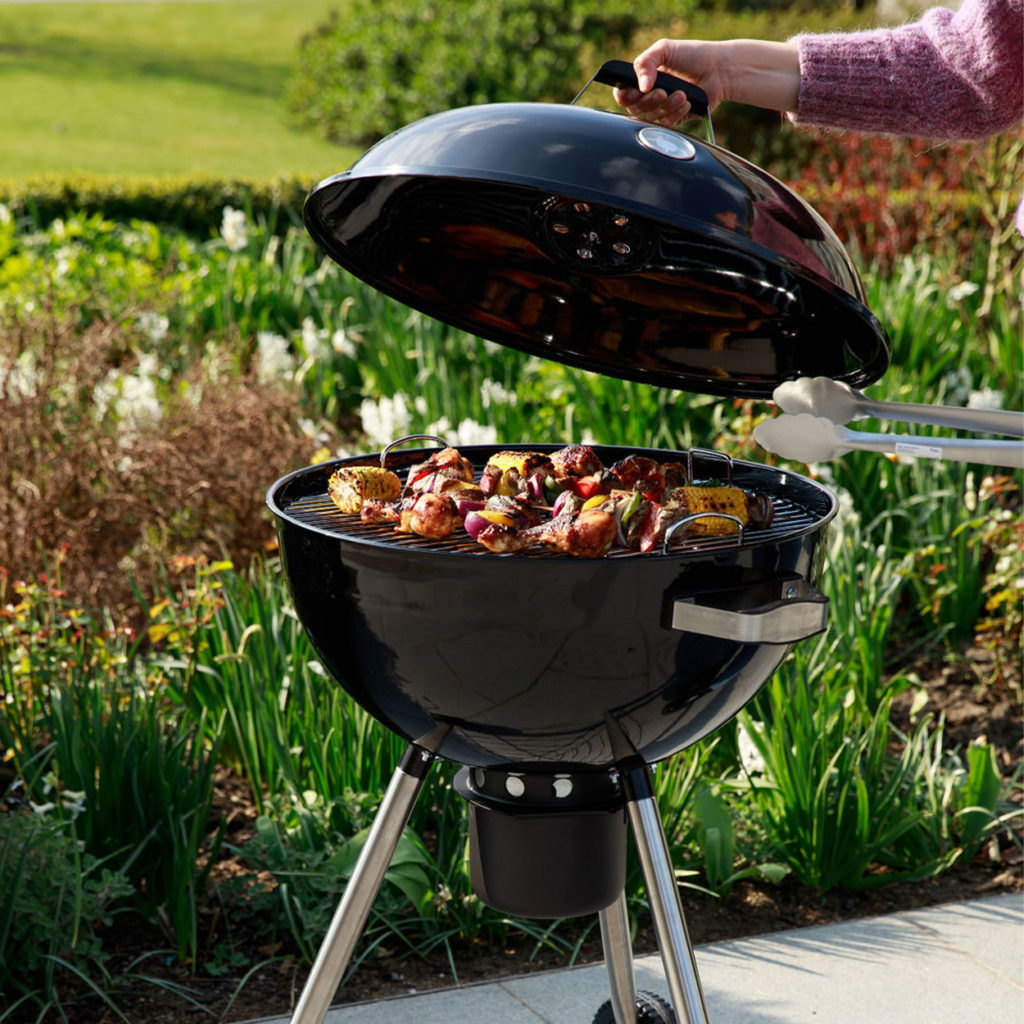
(112, 500)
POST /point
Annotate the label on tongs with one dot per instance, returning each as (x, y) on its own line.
(920, 451)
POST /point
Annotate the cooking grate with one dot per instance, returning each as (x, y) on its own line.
(319, 513)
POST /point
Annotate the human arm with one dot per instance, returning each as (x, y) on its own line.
(758, 72)
(949, 75)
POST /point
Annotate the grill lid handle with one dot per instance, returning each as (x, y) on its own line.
(620, 73)
(800, 612)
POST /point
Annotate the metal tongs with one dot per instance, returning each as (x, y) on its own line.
(810, 430)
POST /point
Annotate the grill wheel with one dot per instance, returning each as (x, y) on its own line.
(650, 1009)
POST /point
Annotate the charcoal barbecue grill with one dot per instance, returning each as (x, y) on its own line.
(600, 241)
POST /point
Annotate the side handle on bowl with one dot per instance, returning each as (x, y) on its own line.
(620, 73)
(799, 612)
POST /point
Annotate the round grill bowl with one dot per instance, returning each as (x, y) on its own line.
(513, 659)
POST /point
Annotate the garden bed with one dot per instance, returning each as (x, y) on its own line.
(153, 385)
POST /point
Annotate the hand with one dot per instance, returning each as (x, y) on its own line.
(693, 60)
(763, 74)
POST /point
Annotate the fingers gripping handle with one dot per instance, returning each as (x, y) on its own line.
(621, 73)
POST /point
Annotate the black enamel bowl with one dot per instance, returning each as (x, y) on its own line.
(548, 660)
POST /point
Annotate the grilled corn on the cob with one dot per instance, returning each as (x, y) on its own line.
(350, 486)
(731, 501)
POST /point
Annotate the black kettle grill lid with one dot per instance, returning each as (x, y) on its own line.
(603, 242)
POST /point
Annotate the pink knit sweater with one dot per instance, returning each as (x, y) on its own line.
(950, 75)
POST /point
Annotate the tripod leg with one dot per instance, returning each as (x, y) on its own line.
(349, 918)
(618, 959)
(666, 909)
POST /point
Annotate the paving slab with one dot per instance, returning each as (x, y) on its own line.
(952, 964)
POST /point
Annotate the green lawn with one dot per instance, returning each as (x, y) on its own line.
(154, 88)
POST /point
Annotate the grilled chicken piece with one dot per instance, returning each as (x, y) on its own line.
(587, 535)
(447, 463)
(575, 460)
(636, 472)
(377, 511)
(430, 515)
(502, 539)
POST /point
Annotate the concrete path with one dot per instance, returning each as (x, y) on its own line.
(955, 964)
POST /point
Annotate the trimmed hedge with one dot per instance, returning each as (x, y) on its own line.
(194, 204)
(879, 224)
(385, 63)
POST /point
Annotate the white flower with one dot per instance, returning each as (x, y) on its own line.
(21, 380)
(73, 800)
(234, 228)
(5, 214)
(343, 344)
(131, 397)
(274, 360)
(310, 335)
(315, 433)
(153, 325)
(985, 398)
(959, 384)
(471, 432)
(138, 403)
(750, 756)
(847, 515)
(493, 391)
(63, 256)
(385, 420)
(962, 290)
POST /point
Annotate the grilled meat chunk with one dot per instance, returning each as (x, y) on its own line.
(502, 538)
(445, 463)
(587, 535)
(519, 510)
(430, 515)
(575, 460)
(637, 472)
(377, 511)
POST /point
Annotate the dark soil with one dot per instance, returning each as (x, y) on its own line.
(753, 908)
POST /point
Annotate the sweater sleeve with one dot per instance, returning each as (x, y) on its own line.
(950, 75)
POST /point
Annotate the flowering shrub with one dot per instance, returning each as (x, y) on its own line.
(103, 455)
(887, 197)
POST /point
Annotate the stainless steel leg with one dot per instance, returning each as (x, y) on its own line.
(349, 918)
(618, 959)
(666, 909)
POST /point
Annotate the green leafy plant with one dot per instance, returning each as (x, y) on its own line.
(715, 838)
(54, 900)
(311, 865)
(384, 63)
